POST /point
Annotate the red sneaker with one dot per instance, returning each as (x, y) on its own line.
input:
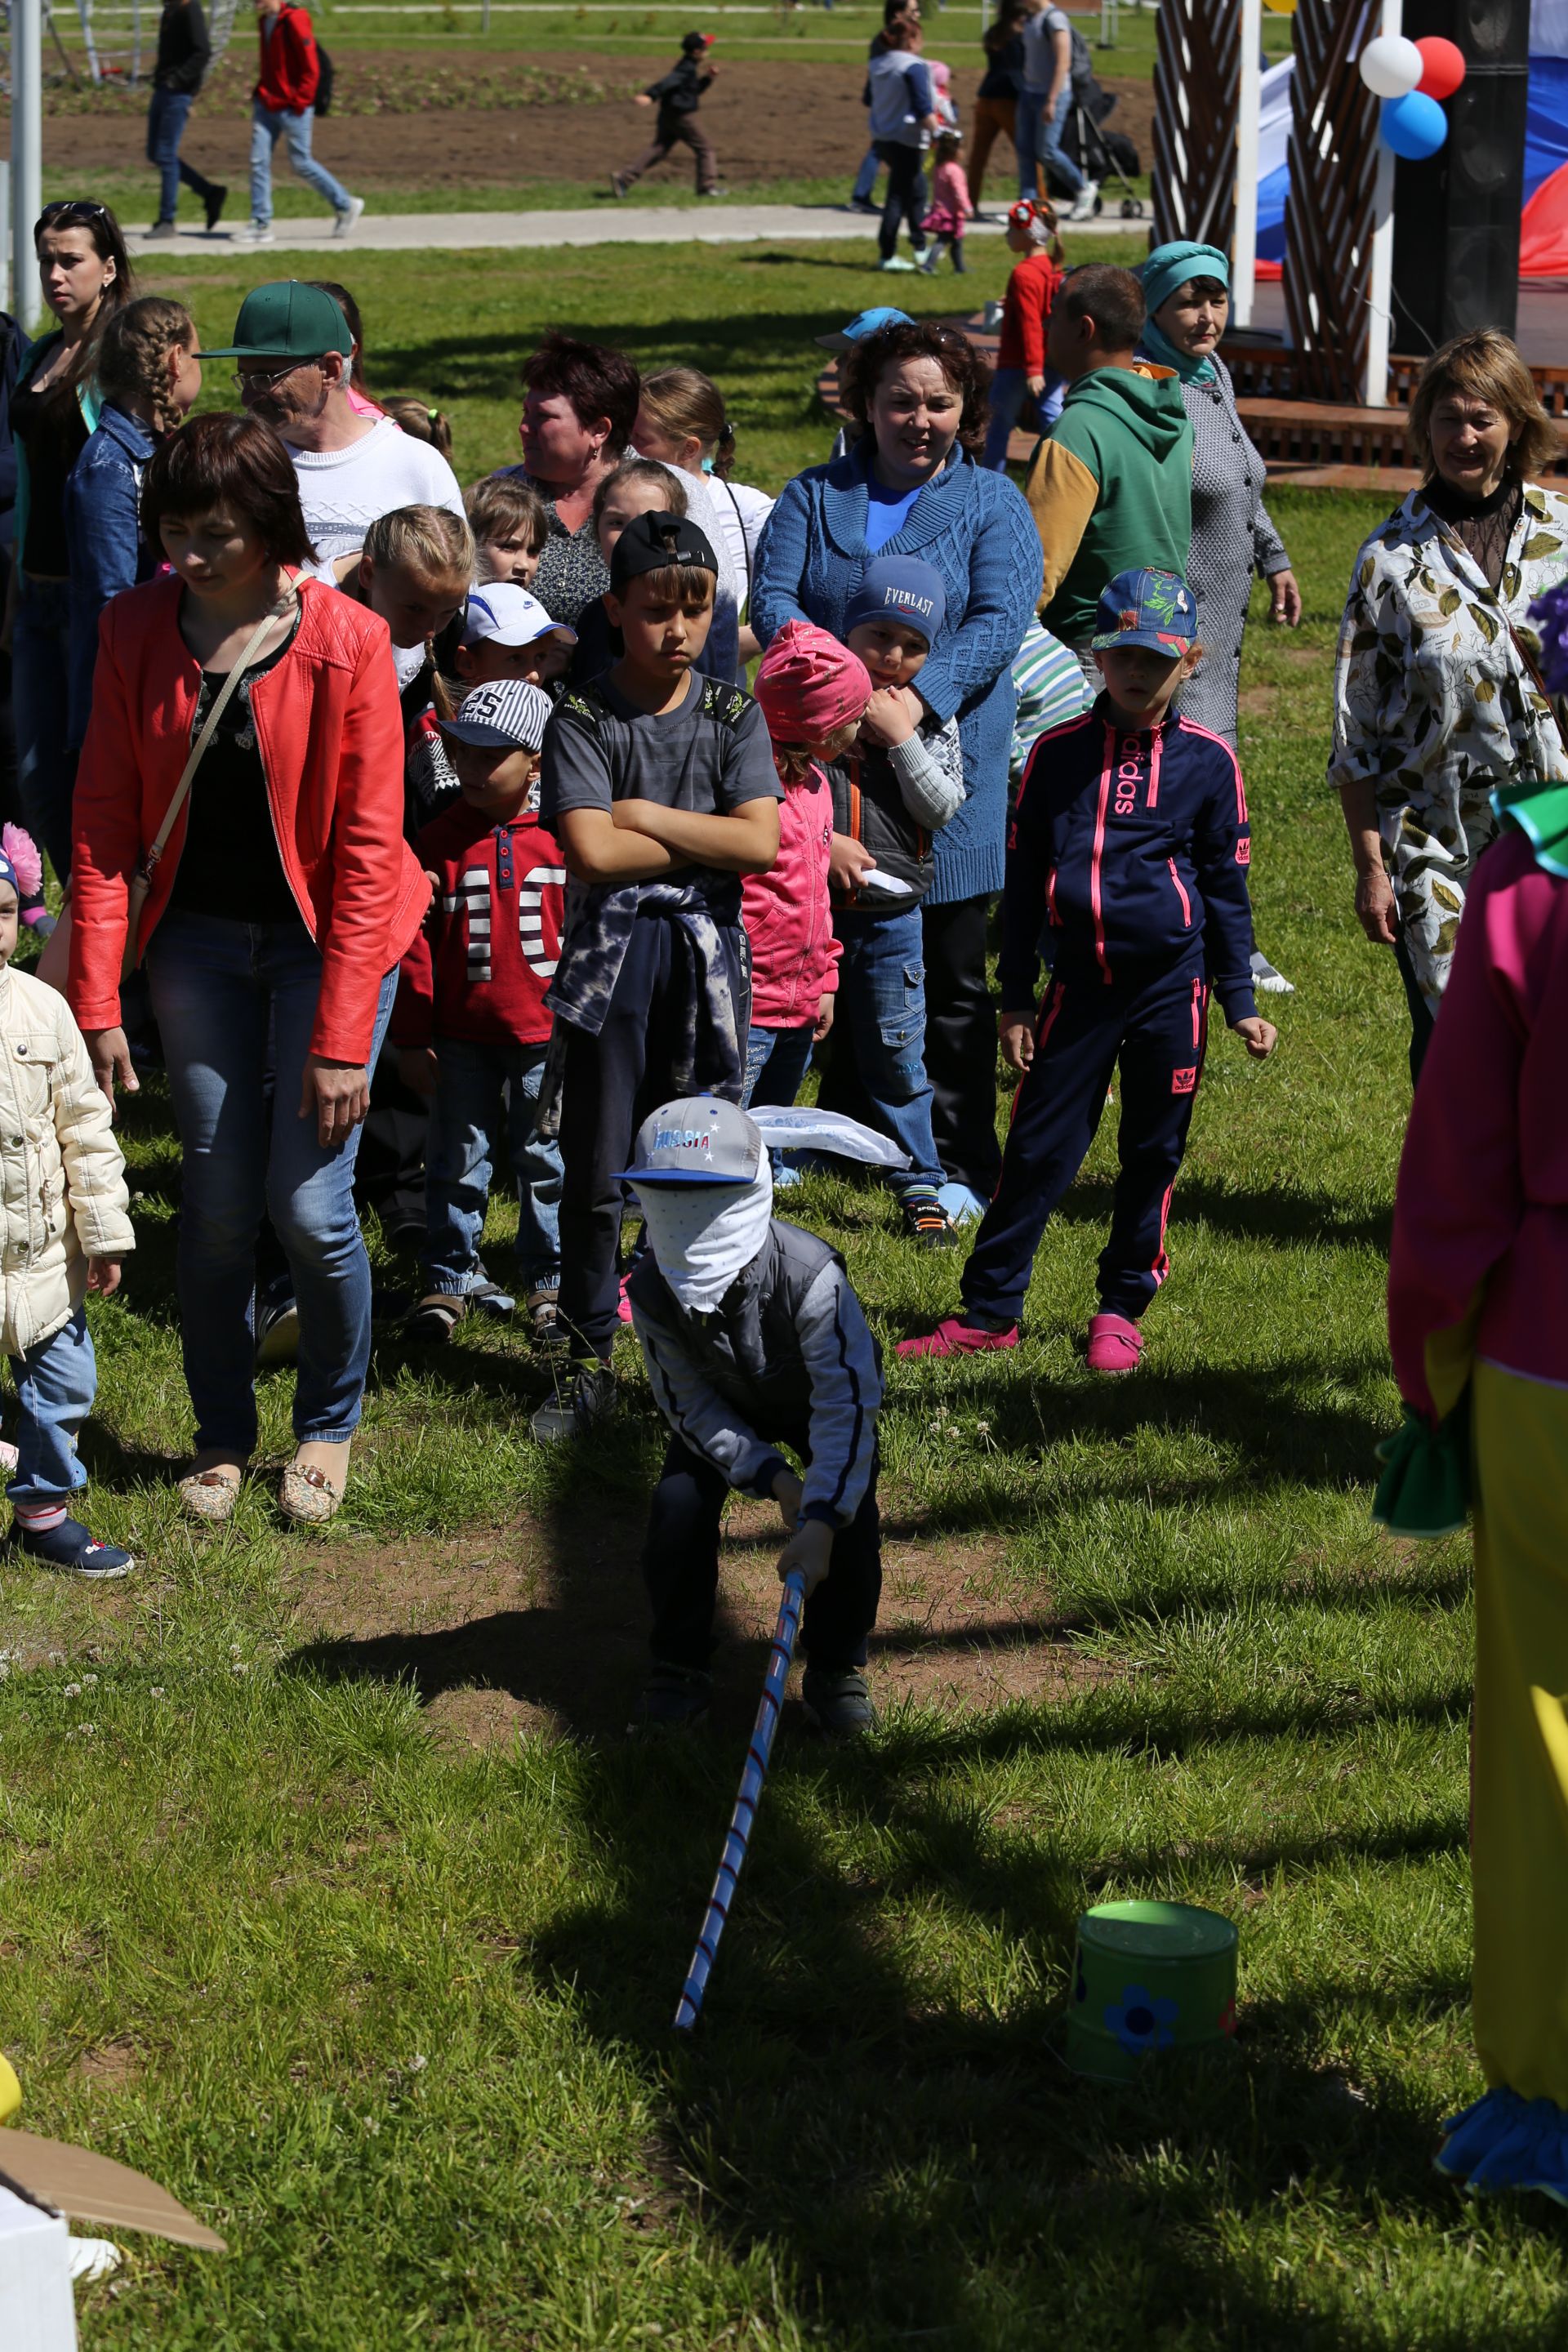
(956, 1339)
(1114, 1344)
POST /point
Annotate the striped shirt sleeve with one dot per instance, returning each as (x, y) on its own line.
(840, 1358)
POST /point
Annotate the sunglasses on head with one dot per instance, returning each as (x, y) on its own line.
(76, 205)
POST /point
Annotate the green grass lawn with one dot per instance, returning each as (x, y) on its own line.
(332, 1900)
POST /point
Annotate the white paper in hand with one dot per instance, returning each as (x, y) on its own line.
(891, 886)
(803, 1127)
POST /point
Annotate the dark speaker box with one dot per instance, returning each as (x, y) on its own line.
(1455, 217)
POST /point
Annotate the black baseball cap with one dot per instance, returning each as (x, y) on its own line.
(652, 542)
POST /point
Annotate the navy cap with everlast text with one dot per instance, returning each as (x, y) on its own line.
(700, 1139)
(652, 542)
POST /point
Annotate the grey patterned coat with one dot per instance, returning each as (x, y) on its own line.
(1232, 538)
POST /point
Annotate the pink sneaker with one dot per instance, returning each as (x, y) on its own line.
(956, 1339)
(624, 1305)
(1114, 1344)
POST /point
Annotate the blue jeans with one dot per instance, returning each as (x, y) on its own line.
(1042, 140)
(267, 126)
(866, 178)
(1009, 394)
(56, 1381)
(221, 991)
(776, 1062)
(40, 701)
(467, 1122)
(168, 112)
(882, 1022)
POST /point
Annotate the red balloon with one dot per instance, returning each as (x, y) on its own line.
(1444, 68)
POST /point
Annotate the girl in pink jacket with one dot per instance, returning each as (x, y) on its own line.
(1478, 1310)
(813, 694)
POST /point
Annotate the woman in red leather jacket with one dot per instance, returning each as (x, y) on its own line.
(272, 927)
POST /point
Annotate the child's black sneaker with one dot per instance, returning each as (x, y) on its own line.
(584, 1401)
(925, 1221)
(68, 1547)
(673, 1698)
(277, 1324)
(839, 1705)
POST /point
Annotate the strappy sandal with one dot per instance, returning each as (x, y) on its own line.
(210, 1495)
(436, 1318)
(308, 1495)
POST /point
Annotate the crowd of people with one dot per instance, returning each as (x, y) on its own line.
(438, 829)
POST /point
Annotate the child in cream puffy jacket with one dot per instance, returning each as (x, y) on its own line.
(64, 1225)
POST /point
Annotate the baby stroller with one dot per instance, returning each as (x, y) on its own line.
(1103, 156)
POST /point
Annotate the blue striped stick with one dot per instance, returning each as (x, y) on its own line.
(745, 1813)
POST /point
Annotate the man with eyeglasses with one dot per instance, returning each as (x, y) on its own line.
(291, 349)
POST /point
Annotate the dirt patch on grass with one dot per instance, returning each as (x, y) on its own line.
(767, 122)
(534, 1629)
(109, 2065)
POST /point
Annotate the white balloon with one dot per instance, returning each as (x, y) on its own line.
(1391, 65)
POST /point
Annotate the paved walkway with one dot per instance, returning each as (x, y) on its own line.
(718, 223)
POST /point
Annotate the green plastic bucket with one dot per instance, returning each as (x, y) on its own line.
(1149, 1980)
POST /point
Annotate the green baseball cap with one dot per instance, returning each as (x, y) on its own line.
(286, 320)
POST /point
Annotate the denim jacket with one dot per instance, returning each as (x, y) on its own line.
(103, 535)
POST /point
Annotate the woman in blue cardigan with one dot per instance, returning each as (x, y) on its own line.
(910, 486)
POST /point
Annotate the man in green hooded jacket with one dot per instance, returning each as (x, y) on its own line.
(1111, 486)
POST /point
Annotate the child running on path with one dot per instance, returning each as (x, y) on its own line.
(66, 1219)
(753, 1341)
(470, 1022)
(1130, 840)
(678, 97)
(658, 783)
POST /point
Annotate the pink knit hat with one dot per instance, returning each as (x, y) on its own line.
(808, 684)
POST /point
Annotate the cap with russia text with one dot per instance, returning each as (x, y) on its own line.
(286, 320)
(700, 1140)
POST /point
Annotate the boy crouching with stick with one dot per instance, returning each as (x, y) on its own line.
(754, 1340)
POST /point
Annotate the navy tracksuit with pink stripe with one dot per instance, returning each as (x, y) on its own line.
(1131, 848)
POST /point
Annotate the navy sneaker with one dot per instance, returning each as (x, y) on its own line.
(673, 1698)
(839, 1703)
(582, 1402)
(71, 1548)
(277, 1324)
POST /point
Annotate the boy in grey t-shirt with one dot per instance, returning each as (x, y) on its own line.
(658, 784)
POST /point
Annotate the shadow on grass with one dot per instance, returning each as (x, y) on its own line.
(919, 2168)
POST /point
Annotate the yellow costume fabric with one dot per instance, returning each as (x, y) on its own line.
(1519, 1829)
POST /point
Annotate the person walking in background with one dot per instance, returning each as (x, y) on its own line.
(185, 52)
(996, 102)
(903, 119)
(283, 106)
(1436, 702)
(1111, 487)
(950, 206)
(86, 278)
(862, 197)
(272, 928)
(1022, 369)
(293, 347)
(148, 378)
(678, 97)
(1043, 105)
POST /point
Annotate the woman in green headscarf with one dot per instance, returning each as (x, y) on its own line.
(1187, 289)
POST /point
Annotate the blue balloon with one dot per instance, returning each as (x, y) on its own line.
(1413, 126)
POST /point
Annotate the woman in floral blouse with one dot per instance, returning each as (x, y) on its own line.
(1436, 693)
(580, 403)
